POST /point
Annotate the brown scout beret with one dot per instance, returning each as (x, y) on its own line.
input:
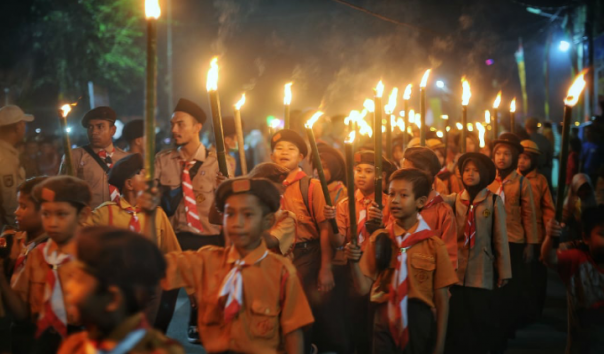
(368, 157)
(292, 137)
(125, 169)
(262, 188)
(63, 189)
(102, 113)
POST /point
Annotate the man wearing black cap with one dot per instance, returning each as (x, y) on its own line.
(187, 176)
(133, 134)
(92, 162)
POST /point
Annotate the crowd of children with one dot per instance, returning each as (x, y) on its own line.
(438, 264)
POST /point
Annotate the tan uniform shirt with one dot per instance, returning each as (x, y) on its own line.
(91, 172)
(273, 302)
(168, 170)
(12, 174)
(544, 204)
(521, 221)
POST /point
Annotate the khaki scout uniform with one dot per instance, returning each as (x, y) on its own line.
(87, 169)
(151, 341)
(12, 174)
(168, 171)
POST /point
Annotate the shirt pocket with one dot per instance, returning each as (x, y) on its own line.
(423, 267)
(263, 319)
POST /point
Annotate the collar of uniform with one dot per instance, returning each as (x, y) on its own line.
(399, 230)
(123, 203)
(433, 194)
(199, 155)
(38, 239)
(251, 258)
(121, 331)
(69, 248)
(359, 196)
(511, 177)
(8, 147)
(531, 174)
(334, 186)
(482, 195)
(109, 148)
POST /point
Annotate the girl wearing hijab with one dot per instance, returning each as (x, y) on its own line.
(334, 169)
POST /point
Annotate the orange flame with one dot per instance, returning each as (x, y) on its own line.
(440, 134)
(369, 105)
(459, 126)
(287, 98)
(212, 82)
(497, 101)
(240, 103)
(400, 123)
(574, 92)
(445, 117)
(389, 108)
(425, 78)
(467, 93)
(407, 94)
(481, 131)
(350, 138)
(315, 117)
(418, 120)
(353, 116)
(470, 127)
(487, 116)
(66, 108)
(411, 116)
(379, 89)
(513, 105)
(152, 9)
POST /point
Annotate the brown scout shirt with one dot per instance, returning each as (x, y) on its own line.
(273, 305)
(428, 265)
(12, 174)
(86, 168)
(520, 209)
(441, 220)
(153, 341)
(544, 204)
(168, 170)
(307, 226)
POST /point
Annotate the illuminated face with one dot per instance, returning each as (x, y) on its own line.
(243, 221)
(27, 215)
(524, 162)
(100, 132)
(60, 220)
(401, 199)
(364, 177)
(185, 128)
(503, 157)
(81, 300)
(471, 176)
(137, 183)
(287, 154)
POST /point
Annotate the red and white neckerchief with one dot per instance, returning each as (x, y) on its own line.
(469, 230)
(20, 262)
(500, 191)
(134, 224)
(362, 224)
(434, 201)
(113, 191)
(399, 289)
(193, 219)
(53, 312)
(232, 288)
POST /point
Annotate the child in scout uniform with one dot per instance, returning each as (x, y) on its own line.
(484, 258)
(92, 162)
(114, 273)
(544, 212)
(304, 197)
(133, 133)
(408, 276)
(249, 299)
(128, 175)
(451, 182)
(15, 246)
(334, 169)
(38, 291)
(435, 212)
(516, 194)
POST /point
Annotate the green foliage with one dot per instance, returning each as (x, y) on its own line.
(89, 40)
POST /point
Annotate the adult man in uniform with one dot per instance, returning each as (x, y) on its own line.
(187, 179)
(12, 174)
(92, 162)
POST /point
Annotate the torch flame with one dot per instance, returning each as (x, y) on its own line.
(407, 94)
(513, 105)
(352, 117)
(467, 93)
(212, 83)
(152, 9)
(389, 108)
(369, 105)
(240, 103)
(497, 101)
(379, 89)
(470, 127)
(459, 126)
(418, 120)
(411, 116)
(350, 138)
(575, 90)
(315, 117)
(481, 131)
(445, 117)
(66, 108)
(487, 116)
(400, 123)
(287, 98)
(425, 79)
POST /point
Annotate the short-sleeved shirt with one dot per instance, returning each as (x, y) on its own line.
(87, 169)
(12, 174)
(307, 226)
(168, 170)
(362, 202)
(115, 214)
(273, 305)
(584, 282)
(284, 230)
(440, 218)
(32, 282)
(428, 265)
(152, 340)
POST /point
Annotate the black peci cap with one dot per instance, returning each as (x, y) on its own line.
(191, 108)
(102, 113)
(133, 129)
